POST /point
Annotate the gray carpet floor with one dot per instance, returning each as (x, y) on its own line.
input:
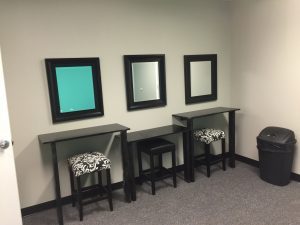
(236, 196)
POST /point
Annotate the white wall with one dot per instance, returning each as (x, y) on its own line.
(33, 30)
(265, 70)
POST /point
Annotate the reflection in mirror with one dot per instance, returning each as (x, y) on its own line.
(145, 81)
(200, 72)
(200, 78)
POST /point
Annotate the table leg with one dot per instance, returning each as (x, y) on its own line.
(126, 166)
(232, 139)
(131, 169)
(191, 151)
(188, 153)
(57, 185)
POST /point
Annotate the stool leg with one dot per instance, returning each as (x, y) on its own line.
(207, 159)
(152, 174)
(100, 185)
(160, 164)
(72, 186)
(223, 155)
(109, 189)
(174, 168)
(140, 166)
(79, 197)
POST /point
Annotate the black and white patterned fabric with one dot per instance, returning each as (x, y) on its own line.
(208, 135)
(88, 162)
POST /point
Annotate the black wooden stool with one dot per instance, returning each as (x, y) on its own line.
(152, 148)
(208, 136)
(89, 163)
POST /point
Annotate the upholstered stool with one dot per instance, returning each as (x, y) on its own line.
(156, 147)
(89, 163)
(208, 136)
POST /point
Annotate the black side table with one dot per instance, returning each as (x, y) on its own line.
(53, 138)
(188, 146)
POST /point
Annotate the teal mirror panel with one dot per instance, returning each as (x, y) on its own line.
(69, 81)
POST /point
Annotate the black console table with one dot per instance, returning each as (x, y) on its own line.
(141, 135)
(53, 138)
(188, 147)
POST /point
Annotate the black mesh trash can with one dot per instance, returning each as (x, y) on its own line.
(276, 152)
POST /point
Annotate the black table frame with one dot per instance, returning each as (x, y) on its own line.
(141, 135)
(188, 146)
(53, 138)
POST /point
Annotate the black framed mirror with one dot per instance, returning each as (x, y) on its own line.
(74, 88)
(145, 81)
(200, 76)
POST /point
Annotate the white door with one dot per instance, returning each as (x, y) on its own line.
(10, 212)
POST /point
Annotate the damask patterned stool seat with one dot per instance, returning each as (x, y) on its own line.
(207, 136)
(89, 163)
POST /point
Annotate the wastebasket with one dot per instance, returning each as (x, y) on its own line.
(276, 152)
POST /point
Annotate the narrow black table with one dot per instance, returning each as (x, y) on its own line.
(53, 138)
(188, 146)
(134, 137)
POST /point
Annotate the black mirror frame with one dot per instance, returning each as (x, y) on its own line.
(51, 65)
(128, 60)
(187, 78)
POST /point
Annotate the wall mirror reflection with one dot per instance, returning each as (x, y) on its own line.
(200, 76)
(145, 81)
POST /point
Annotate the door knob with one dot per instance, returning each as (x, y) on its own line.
(4, 144)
